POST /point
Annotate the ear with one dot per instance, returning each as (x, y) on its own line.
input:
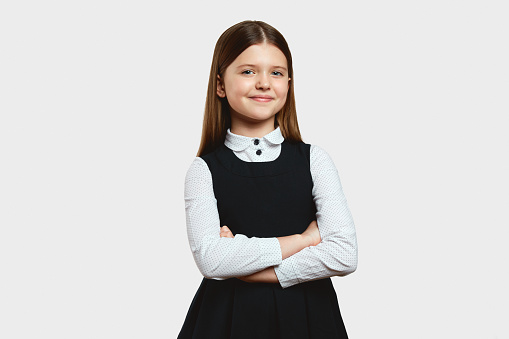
(289, 82)
(220, 87)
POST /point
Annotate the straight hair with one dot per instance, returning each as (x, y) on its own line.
(229, 46)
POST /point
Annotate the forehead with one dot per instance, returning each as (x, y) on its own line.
(261, 54)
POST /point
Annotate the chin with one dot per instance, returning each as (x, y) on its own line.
(256, 116)
(260, 117)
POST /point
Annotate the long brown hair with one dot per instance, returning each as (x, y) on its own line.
(229, 46)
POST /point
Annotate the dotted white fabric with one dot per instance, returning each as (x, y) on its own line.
(222, 258)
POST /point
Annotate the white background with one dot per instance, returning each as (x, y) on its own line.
(101, 107)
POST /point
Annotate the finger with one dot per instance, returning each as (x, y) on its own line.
(226, 233)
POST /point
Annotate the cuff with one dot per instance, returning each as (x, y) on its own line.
(270, 252)
(286, 273)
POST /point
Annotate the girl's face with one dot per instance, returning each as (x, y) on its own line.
(255, 84)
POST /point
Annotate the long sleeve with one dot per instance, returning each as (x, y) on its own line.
(336, 255)
(216, 257)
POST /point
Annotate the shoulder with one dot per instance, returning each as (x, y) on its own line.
(201, 165)
(298, 147)
(197, 166)
(319, 154)
(320, 160)
(198, 176)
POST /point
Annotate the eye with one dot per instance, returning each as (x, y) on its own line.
(278, 73)
(247, 71)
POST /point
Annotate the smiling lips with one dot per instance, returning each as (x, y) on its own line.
(262, 98)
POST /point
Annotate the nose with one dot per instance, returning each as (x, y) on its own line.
(263, 81)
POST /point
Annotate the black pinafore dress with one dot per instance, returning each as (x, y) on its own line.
(263, 199)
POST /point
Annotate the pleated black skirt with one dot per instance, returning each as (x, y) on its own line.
(234, 309)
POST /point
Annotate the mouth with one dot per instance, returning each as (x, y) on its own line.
(261, 98)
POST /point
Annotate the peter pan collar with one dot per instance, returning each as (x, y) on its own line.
(239, 143)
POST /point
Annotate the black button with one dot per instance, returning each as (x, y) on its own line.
(259, 152)
(256, 141)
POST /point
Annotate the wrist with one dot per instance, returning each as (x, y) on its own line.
(305, 240)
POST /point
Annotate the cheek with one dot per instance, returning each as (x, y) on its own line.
(237, 88)
(282, 91)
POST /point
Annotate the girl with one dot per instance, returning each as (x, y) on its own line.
(286, 228)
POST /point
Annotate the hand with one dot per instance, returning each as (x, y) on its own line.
(226, 233)
(312, 234)
(266, 275)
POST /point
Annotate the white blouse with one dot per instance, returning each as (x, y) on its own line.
(222, 258)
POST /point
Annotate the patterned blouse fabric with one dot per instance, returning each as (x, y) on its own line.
(222, 258)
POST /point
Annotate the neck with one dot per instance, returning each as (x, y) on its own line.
(250, 129)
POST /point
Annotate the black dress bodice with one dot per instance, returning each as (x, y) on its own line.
(264, 199)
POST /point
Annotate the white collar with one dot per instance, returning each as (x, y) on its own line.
(239, 143)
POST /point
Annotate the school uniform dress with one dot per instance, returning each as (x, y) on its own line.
(263, 188)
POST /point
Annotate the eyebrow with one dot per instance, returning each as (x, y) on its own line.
(254, 66)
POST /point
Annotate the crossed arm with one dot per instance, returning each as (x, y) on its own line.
(289, 246)
(288, 260)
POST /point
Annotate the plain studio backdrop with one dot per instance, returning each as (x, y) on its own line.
(101, 110)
